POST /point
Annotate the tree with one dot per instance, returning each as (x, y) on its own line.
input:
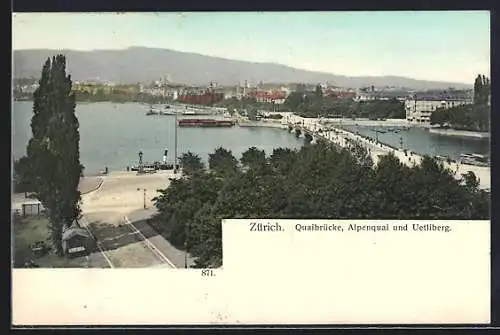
(191, 164)
(318, 181)
(475, 117)
(253, 158)
(470, 181)
(252, 114)
(282, 159)
(22, 174)
(53, 151)
(301, 88)
(478, 83)
(293, 100)
(318, 93)
(222, 162)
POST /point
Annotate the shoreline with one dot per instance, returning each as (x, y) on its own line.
(341, 137)
(460, 133)
(276, 125)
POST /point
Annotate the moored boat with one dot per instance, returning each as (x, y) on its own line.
(153, 166)
(205, 123)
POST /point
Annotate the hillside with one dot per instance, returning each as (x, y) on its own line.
(140, 64)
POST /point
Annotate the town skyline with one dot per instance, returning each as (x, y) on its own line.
(442, 46)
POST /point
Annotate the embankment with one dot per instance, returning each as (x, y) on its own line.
(459, 133)
(268, 124)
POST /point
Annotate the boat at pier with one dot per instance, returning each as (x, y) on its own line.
(158, 111)
(205, 123)
(153, 166)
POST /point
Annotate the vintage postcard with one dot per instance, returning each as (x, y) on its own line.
(251, 168)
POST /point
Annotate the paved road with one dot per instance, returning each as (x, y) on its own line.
(176, 256)
(89, 184)
(125, 245)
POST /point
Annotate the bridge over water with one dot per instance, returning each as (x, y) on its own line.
(315, 130)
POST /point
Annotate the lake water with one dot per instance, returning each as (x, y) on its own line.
(113, 134)
(422, 142)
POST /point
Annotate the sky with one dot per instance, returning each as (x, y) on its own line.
(439, 45)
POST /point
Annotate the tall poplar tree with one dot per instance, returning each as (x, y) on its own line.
(53, 150)
(482, 89)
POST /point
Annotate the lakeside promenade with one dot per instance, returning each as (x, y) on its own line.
(115, 212)
(342, 137)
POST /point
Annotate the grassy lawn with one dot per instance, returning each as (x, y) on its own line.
(30, 229)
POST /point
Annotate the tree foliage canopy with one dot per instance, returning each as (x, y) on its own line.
(22, 174)
(191, 164)
(474, 117)
(314, 104)
(53, 151)
(222, 162)
(317, 181)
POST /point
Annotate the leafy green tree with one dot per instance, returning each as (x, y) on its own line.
(318, 93)
(222, 162)
(191, 164)
(318, 181)
(481, 90)
(22, 175)
(293, 100)
(179, 203)
(253, 158)
(282, 160)
(204, 241)
(470, 180)
(301, 88)
(475, 117)
(252, 114)
(53, 150)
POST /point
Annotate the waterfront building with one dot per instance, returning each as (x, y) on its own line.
(420, 108)
(380, 95)
(202, 98)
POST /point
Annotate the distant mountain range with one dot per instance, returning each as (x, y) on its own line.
(139, 64)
